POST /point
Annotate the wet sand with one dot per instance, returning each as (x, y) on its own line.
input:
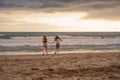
(83, 66)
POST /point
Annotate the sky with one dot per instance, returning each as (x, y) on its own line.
(59, 15)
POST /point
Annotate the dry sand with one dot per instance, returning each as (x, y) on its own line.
(86, 66)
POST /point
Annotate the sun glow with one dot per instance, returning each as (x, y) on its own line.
(54, 18)
(73, 21)
(58, 21)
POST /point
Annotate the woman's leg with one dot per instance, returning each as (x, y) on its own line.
(43, 50)
(46, 50)
(57, 51)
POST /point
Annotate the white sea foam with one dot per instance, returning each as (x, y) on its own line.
(67, 40)
(33, 43)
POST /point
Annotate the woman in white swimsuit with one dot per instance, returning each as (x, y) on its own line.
(45, 48)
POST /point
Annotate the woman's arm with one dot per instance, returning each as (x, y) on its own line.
(51, 42)
(60, 39)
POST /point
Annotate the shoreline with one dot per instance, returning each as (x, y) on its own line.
(61, 55)
(61, 52)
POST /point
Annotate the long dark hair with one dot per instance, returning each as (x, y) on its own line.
(57, 37)
(44, 38)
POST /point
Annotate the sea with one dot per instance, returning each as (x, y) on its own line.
(17, 43)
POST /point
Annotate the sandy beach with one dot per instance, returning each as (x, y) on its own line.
(83, 66)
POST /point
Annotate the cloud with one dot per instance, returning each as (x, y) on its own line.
(58, 4)
(96, 9)
(104, 14)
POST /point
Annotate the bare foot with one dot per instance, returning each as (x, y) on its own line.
(55, 52)
(43, 54)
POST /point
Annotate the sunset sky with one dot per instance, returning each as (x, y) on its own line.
(59, 15)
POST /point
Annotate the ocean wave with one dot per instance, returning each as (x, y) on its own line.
(63, 47)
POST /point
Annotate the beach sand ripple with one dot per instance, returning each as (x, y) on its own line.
(86, 66)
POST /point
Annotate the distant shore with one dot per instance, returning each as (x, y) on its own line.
(84, 66)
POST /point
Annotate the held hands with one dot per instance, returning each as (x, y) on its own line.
(51, 42)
